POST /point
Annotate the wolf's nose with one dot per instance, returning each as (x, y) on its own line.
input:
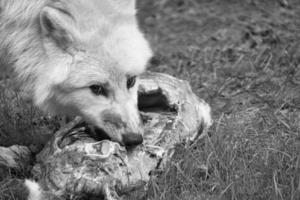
(132, 139)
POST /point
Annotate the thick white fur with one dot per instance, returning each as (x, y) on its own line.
(35, 191)
(37, 71)
(106, 47)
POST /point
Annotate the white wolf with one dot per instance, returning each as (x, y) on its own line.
(78, 57)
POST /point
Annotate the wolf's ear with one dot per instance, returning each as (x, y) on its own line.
(58, 25)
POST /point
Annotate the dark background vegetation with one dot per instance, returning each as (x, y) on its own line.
(242, 57)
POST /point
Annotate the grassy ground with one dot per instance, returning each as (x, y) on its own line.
(243, 58)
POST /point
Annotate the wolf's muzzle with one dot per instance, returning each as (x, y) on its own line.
(132, 139)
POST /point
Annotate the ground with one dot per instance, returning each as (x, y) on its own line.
(242, 57)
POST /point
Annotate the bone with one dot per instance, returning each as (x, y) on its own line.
(73, 163)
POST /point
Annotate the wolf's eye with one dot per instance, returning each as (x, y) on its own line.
(98, 90)
(131, 82)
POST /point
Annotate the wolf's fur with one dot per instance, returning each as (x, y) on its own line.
(59, 48)
(35, 191)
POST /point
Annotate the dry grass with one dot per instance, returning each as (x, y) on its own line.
(243, 58)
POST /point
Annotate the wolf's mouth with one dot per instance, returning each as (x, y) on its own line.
(98, 133)
(154, 101)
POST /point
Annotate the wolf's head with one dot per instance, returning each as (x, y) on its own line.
(95, 55)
